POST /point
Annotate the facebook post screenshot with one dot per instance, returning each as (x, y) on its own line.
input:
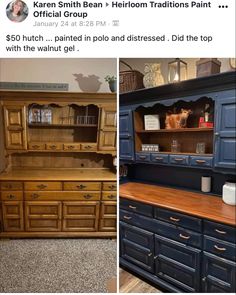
(117, 146)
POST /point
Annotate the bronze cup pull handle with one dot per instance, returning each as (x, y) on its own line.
(184, 237)
(35, 146)
(200, 161)
(87, 147)
(81, 186)
(70, 147)
(41, 186)
(150, 254)
(112, 186)
(179, 159)
(132, 207)
(87, 197)
(219, 248)
(127, 217)
(220, 231)
(142, 157)
(10, 197)
(174, 219)
(53, 147)
(111, 197)
(35, 196)
(159, 158)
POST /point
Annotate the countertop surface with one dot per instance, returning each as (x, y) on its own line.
(193, 203)
(84, 174)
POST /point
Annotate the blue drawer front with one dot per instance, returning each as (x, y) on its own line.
(137, 254)
(219, 270)
(136, 207)
(220, 248)
(159, 158)
(178, 219)
(142, 157)
(201, 161)
(179, 159)
(182, 235)
(137, 235)
(220, 231)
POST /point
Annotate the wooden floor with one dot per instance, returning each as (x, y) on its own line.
(131, 284)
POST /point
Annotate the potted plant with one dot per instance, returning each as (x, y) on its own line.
(112, 82)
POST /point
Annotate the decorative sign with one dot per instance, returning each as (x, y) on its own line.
(34, 86)
(151, 122)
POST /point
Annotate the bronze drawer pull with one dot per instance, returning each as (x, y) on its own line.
(35, 196)
(87, 197)
(159, 158)
(184, 237)
(200, 161)
(88, 147)
(70, 147)
(41, 186)
(81, 186)
(53, 147)
(219, 248)
(127, 217)
(10, 197)
(142, 157)
(220, 231)
(35, 146)
(132, 207)
(150, 254)
(112, 186)
(178, 159)
(174, 219)
(9, 186)
(111, 197)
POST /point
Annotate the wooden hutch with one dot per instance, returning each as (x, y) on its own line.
(57, 152)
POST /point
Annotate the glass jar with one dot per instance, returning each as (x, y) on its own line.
(175, 146)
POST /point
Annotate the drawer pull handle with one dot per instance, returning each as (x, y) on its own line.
(87, 197)
(112, 186)
(174, 219)
(150, 254)
(34, 196)
(132, 207)
(53, 147)
(87, 147)
(10, 197)
(184, 237)
(35, 146)
(142, 157)
(111, 197)
(155, 257)
(220, 231)
(219, 248)
(178, 159)
(81, 186)
(70, 147)
(159, 158)
(41, 186)
(200, 161)
(9, 186)
(127, 217)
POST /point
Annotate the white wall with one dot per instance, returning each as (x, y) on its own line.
(56, 70)
(138, 64)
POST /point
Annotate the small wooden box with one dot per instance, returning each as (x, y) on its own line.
(207, 67)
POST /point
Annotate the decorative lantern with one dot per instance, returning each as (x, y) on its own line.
(177, 71)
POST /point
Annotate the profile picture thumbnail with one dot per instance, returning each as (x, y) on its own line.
(17, 11)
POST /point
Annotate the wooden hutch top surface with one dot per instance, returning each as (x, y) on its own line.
(60, 174)
(205, 206)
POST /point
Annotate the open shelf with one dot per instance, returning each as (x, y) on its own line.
(38, 125)
(182, 153)
(177, 130)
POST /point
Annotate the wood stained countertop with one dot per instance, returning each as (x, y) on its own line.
(197, 204)
(84, 174)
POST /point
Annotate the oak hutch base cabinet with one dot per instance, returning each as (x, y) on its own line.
(58, 178)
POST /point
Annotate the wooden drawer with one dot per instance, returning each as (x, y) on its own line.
(179, 159)
(11, 186)
(54, 146)
(220, 231)
(43, 186)
(178, 219)
(201, 161)
(82, 186)
(12, 196)
(109, 186)
(136, 207)
(160, 158)
(109, 196)
(142, 157)
(36, 146)
(88, 146)
(61, 196)
(71, 147)
(218, 247)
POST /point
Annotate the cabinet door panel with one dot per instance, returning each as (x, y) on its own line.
(12, 215)
(126, 148)
(108, 216)
(15, 127)
(108, 119)
(43, 216)
(107, 140)
(80, 216)
(126, 122)
(126, 135)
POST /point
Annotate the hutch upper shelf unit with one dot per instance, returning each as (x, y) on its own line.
(215, 93)
(57, 174)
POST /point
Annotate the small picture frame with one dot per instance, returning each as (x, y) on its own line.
(151, 122)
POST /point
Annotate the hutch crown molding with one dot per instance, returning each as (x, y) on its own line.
(58, 178)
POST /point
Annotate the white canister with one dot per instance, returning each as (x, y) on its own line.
(229, 191)
(206, 184)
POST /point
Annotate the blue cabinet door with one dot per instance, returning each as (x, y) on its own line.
(126, 135)
(225, 133)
